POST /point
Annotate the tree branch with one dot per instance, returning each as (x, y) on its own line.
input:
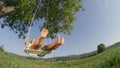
(4, 10)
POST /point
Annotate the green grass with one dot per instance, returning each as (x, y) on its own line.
(108, 59)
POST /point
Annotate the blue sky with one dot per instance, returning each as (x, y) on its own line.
(99, 23)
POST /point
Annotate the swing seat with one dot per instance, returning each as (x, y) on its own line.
(40, 52)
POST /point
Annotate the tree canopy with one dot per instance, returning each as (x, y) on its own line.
(58, 15)
(100, 48)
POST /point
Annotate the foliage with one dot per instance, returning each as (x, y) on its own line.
(113, 62)
(58, 16)
(100, 48)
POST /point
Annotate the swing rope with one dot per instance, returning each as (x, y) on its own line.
(33, 17)
(46, 25)
(27, 36)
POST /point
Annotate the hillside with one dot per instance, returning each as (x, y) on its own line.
(108, 59)
(84, 55)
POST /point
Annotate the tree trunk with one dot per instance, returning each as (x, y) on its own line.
(4, 10)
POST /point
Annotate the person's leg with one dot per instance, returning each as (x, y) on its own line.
(61, 43)
(41, 37)
(50, 46)
(43, 34)
(55, 44)
(38, 42)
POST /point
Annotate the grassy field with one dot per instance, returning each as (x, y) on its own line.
(108, 59)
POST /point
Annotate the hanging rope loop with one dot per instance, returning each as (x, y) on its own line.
(33, 17)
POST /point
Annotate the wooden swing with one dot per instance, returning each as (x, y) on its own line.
(39, 52)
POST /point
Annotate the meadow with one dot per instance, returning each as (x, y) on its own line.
(107, 59)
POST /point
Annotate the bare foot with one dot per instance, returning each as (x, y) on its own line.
(58, 39)
(59, 44)
(62, 40)
(44, 32)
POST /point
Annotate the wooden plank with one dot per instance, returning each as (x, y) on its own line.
(38, 52)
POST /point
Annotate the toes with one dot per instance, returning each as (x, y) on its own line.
(62, 40)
